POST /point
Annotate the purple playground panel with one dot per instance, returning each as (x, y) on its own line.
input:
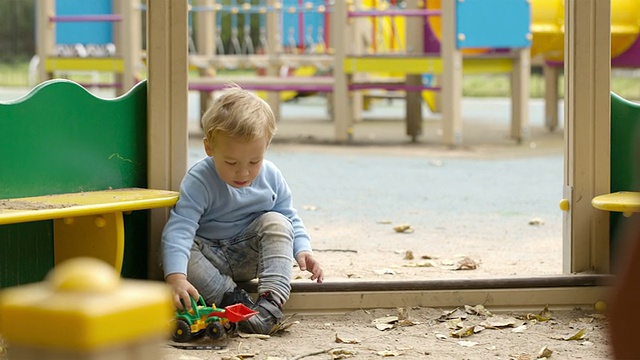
(313, 87)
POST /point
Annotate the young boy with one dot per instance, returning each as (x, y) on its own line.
(235, 220)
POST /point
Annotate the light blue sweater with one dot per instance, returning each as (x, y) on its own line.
(213, 210)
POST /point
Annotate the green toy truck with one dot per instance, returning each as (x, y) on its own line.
(209, 320)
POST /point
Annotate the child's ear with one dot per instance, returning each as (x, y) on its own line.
(207, 147)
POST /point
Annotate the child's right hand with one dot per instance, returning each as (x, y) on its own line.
(182, 289)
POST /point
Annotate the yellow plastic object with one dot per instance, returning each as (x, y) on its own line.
(547, 26)
(83, 306)
(626, 202)
(86, 223)
(114, 64)
(564, 204)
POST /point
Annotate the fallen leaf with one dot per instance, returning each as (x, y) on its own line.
(255, 336)
(495, 322)
(403, 313)
(343, 340)
(421, 264)
(385, 271)
(386, 353)
(408, 255)
(477, 310)
(536, 221)
(341, 354)
(464, 332)
(427, 257)
(385, 222)
(440, 336)
(467, 343)
(519, 329)
(466, 263)
(453, 314)
(577, 336)
(545, 352)
(403, 228)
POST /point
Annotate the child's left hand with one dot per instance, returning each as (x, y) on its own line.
(307, 262)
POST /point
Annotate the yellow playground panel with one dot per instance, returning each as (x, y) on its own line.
(547, 26)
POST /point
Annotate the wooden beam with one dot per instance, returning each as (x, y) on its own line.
(167, 50)
(587, 134)
(451, 92)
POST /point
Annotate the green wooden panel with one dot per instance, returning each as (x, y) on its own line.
(625, 162)
(60, 138)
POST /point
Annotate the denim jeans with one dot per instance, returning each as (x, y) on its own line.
(264, 251)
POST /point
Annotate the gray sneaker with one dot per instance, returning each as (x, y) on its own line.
(264, 322)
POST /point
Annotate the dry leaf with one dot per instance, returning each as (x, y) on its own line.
(466, 263)
(499, 322)
(386, 353)
(427, 257)
(477, 310)
(385, 271)
(255, 336)
(421, 264)
(408, 255)
(385, 222)
(519, 329)
(403, 228)
(467, 343)
(453, 314)
(341, 353)
(545, 352)
(577, 336)
(464, 332)
(536, 221)
(340, 339)
(403, 313)
(440, 336)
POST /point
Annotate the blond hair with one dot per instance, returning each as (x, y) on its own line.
(239, 113)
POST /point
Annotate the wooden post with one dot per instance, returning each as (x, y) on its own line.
(274, 40)
(205, 44)
(341, 101)
(520, 75)
(46, 37)
(451, 91)
(128, 41)
(587, 134)
(551, 96)
(415, 27)
(167, 50)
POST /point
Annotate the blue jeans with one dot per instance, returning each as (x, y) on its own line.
(264, 251)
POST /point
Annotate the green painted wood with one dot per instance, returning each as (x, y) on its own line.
(60, 138)
(625, 155)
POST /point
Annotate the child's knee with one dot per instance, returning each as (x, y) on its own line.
(274, 222)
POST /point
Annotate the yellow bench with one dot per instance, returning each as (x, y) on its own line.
(86, 223)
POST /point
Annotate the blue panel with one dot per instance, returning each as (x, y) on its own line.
(493, 24)
(311, 27)
(84, 32)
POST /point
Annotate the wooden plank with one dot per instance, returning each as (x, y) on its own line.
(167, 36)
(60, 206)
(587, 134)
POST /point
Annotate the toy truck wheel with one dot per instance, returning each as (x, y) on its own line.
(182, 331)
(214, 330)
(230, 327)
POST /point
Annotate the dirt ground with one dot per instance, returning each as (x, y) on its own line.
(421, 333)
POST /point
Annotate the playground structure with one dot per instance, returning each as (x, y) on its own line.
(296, 54)
(166, 106)
(548, 24)
(366, 40)
(90, 36)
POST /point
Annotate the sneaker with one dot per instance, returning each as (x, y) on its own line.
(264, 322)
(237, 296)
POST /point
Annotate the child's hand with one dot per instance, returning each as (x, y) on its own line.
(307, 262)
(182, 288)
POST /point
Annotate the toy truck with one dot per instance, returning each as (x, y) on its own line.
(209, 320)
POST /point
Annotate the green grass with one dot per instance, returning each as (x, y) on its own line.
(624, 83)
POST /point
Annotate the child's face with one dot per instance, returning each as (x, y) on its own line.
(237, 162)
